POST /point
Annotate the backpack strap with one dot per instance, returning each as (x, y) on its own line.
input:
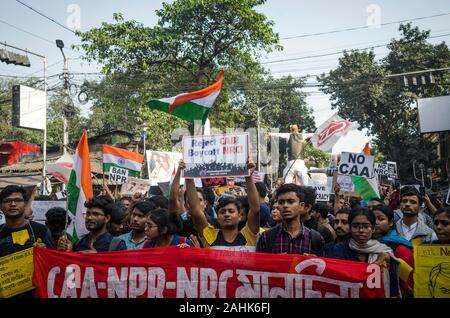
(114, 244)
(317, 242)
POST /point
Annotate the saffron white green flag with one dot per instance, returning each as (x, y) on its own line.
(79, 187)
(190, 106)
(122, 158)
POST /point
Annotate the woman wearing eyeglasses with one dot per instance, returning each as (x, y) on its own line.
(361, 247)
(161, 229)
(442, 225)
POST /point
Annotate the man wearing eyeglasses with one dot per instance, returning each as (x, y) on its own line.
(18, 233)
(97, 216)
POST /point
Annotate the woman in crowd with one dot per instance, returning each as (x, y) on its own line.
(442, 225)
(361, 247)
(386, 233)
(161, 230)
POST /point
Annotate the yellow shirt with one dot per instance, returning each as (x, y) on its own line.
(211, 235)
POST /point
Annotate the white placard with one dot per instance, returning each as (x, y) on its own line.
(345, 183)
(162, 165)
(388, 169)
(322, 192)
(215, 156)
(118, 175)
(135, 185)
(356, 164)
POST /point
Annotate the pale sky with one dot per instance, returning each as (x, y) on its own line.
(292, 18)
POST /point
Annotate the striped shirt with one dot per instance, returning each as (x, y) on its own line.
(285, 244)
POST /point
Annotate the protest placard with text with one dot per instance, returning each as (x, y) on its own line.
(356, 164)
(215, 155)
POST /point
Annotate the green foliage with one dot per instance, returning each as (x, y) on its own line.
(315, 157)
(361, 92)
(184, 52)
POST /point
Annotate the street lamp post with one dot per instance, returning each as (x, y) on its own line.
(60, 45)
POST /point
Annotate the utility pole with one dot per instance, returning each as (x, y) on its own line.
(258, 156)
(60, 45)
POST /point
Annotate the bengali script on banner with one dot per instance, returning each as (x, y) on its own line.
(170, 272)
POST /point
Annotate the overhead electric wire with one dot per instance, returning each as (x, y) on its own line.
(45, 16)
(363, 27)
(340, 52)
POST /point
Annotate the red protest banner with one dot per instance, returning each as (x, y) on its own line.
(200, 273)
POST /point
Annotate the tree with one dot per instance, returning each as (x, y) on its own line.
(184, 52)
(362, 92)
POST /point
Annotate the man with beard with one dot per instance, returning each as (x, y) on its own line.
(98, 239)
(291, 237)
(410, 226)
(136, 238)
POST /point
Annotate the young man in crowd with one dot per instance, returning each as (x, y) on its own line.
(118, 222)
(410, 226)
(134, 239)
(97, 216)
(228, 216)
(291, 236)
(18, 233)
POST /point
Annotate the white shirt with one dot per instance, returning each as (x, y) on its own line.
(408, 231)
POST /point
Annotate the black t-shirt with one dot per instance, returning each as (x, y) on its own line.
(101, 244)
(19, 239)
(315, 225)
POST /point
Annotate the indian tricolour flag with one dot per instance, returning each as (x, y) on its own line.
(79, 187)
(367, 188)
(121, 158)
(190, 106)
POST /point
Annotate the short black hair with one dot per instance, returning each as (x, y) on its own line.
(385, 210)
(56, 219)
(409, 192)
(199, 190)
(145, 206)
(354, 202)
(10, 189)
(261, 188)
(244, 204)
(163, 218)
(118, 214)
(310, 195)
(377, 199)
(159, 201)
(445, 209)
(343, 211)
(224, 201)
(362, 211)
(208, 194)
(100, 202)
(290, 187)
(322, 209)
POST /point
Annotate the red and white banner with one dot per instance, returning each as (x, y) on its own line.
(328, 134)
(169, 272)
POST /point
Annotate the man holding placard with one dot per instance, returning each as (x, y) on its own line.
(228, 217)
